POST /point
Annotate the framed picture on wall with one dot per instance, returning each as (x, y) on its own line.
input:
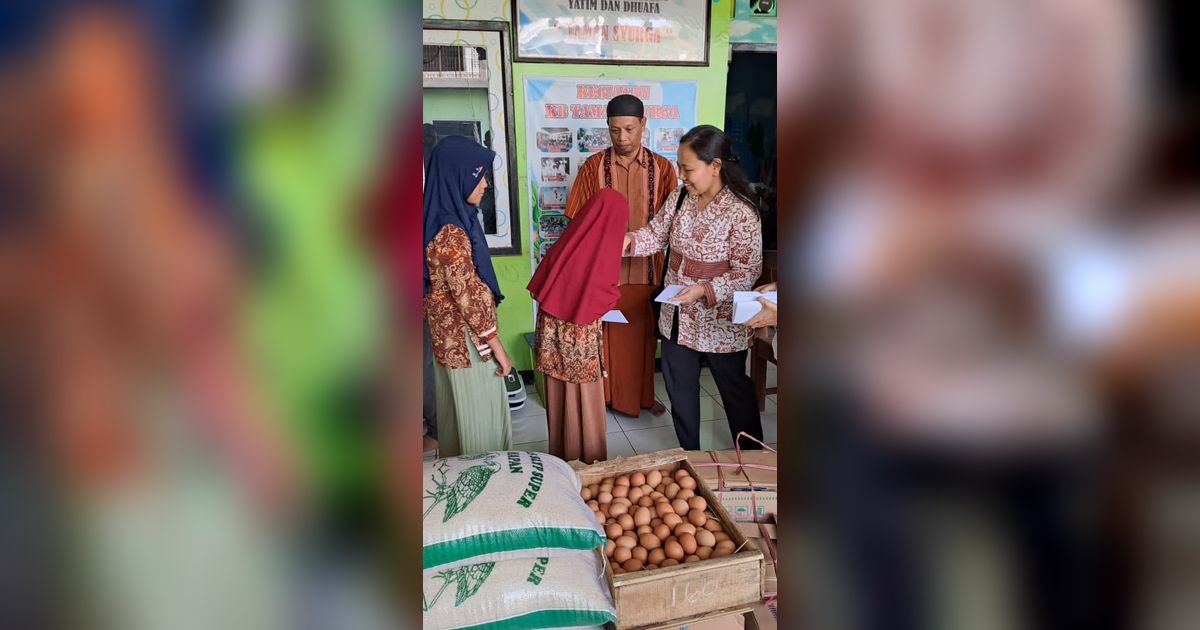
(643, 32)
(466, 90)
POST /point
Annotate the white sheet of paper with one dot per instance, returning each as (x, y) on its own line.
(745, 311)
(668, 292)
(752, 296)
(614, 317)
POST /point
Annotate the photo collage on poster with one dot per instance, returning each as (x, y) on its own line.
(564, 130)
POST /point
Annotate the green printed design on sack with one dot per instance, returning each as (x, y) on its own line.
(538, 572)
(535, 482)
(468, 580)
(514, 463)
(468, 485)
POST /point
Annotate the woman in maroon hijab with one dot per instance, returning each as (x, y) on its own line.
(575, 285)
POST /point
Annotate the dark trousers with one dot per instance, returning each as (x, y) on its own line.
(681, 371)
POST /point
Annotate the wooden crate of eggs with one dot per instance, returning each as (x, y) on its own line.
(673, 552)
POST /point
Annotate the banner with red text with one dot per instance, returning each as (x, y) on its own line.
(613, 31)
(565, 123)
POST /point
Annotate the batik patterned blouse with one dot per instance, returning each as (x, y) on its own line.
(719, 247)
(457, 298)
(567, 351)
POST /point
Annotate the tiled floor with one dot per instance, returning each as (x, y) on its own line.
(646, 433)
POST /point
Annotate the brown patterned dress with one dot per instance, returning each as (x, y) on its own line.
(457, 298)
(568, 355)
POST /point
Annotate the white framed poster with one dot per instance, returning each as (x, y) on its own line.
(648, 32)
(566, 122)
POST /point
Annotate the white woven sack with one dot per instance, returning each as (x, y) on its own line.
(503, 505)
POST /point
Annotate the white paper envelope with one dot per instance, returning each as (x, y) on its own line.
(669, 292)
(614, 317)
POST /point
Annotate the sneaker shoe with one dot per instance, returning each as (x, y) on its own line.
(515, 387)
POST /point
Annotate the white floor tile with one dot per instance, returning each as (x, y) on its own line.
(660, 390)
(618, 446)
(540, 446)
(770, 426)
(651, 440)
(529, 428)
(613, 425)
(714, 436)
(772, 375)
(708, 384)
(711, 409)
(533, 407)
(645, 420)
(772, 404)
(658, 377)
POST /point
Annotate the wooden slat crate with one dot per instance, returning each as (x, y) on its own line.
(650, 599)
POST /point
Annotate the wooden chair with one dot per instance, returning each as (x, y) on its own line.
(760, 351)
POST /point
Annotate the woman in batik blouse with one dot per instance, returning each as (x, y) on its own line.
(715, 239)
(461, 295)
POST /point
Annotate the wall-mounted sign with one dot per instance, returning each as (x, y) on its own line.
(565, 123)
(654, 32)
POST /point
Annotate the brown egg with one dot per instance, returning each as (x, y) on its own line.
(669, 562)
(585, 494)
(680, 506)
(641, 516)
(698, 503)
(685, 528)
(713, 525)
(657, 556)
(605, 497)
(617, 509)
(657, 496)
(671, 538)
(673, 550)
(655, 522)
(632, 564)
(687, 483)
(644, 529)
(724, 548)
(705, 538)
(626, 541)
(623, 501)
(606, 487)
(721, 536)
(618, 570)
(640, 553)
(697, 518)
(626, 522)
(613, 530)
(686, 494)
(704, 553)
(650, 541)
(620, 492)
(672, 490)
(691, 559)
(594, 489)
(647, 490)
(662, 531)
(623, 480)
(663, 509)
(645, 502)
(672, 520)
(680, 474)
(609, 546)
(634, 494)
(651, 567)
(600, 517)
(621, 554)
(594, 504)
(653, 478)
(637, 479)
(688, 542)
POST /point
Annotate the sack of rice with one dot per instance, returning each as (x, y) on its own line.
(565, 591)
(503, 505)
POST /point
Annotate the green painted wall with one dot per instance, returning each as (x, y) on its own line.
(514, 272)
